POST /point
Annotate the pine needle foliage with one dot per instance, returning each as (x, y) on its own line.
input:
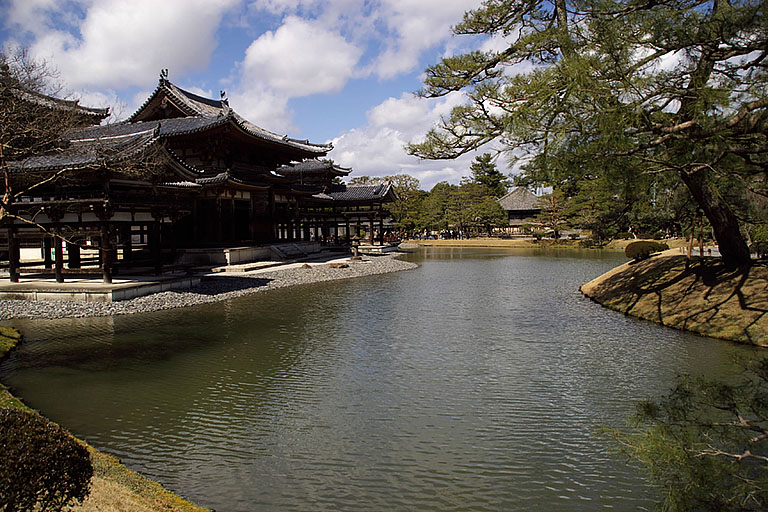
(706, 443)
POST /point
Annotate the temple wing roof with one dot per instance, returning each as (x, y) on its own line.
(86, 152)
(360, 193)
(520, 198)
(313, 168)
(95, 115)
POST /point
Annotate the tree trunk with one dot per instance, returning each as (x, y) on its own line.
(725, 225)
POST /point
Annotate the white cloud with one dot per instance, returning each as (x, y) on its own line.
(122, 43)
(378, 148)
(300, 58)
(416, 25)
(263, 108)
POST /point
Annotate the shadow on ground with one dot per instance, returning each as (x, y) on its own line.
(214, 285)
(701, 296)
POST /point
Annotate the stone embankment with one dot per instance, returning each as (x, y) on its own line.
(213, 288)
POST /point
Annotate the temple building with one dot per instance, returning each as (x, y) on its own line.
(182, 172)
(521, 206)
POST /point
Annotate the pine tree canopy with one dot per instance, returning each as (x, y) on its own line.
(661, 87)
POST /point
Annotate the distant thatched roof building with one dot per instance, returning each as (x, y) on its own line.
(520, 199)
(521, 205)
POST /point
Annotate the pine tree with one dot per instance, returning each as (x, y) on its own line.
(672, 87)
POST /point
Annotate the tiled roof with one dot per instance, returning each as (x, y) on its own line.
(60, 104)
(313, 167)
(112, 139)
(195, 106)
(166, 127)
(361, 193)
(222, 177)
(86, 152)
(520, 198)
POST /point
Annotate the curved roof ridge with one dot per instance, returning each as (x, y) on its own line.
(267, 135)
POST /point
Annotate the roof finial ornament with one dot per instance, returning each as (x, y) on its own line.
(164, 75)
(224, 101)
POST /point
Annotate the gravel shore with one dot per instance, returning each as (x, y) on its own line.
(213, 288)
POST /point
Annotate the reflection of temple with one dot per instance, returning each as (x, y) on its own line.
(184, 172)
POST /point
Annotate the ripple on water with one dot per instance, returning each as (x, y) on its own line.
(472, 383)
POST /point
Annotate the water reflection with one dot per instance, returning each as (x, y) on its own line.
(472, 383)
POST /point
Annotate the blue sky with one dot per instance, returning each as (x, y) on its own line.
(336, 70)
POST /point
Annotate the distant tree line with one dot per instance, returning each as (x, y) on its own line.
(617, 203)
(468, 208)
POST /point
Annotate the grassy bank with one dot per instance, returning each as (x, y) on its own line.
(114, 488)
(699, 295)
(615, 245)
(493, 242)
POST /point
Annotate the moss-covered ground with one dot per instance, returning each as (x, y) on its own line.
(699, 295)
(114, 487)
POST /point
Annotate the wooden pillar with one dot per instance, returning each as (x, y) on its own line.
(231, 221)
(47, 246)
(381, 229)
(126, 236)
(371, 226)
(73, 254)
(252, 218)
(14, 256)
(58, 257)
(106, 254)
(346, 226)
(218, 221)
(154, 247)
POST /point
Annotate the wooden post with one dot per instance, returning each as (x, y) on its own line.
(127, 243)
(346, 226)
(371, 226)
(155, 249)
(232, 220)
(219, 222)
(73, 254)
(47, 259)
(106, 254)
(58, 257)
(14, 256)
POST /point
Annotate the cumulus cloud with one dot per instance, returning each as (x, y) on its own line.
(377, 149)
(264, 108)
(122, 43)
(300, 58)
(416, 25)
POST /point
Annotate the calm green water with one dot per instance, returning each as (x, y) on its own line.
(475, 382)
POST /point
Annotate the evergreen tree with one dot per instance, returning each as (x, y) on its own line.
(672, 87)
(485, 173)
(705, 442)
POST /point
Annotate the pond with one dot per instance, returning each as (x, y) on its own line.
(476, 382)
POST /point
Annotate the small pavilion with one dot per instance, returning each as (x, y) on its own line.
(521, 206)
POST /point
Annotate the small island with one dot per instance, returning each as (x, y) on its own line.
(700, 295)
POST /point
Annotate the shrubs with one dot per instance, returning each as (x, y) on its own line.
(642, 249)
(42, 467)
